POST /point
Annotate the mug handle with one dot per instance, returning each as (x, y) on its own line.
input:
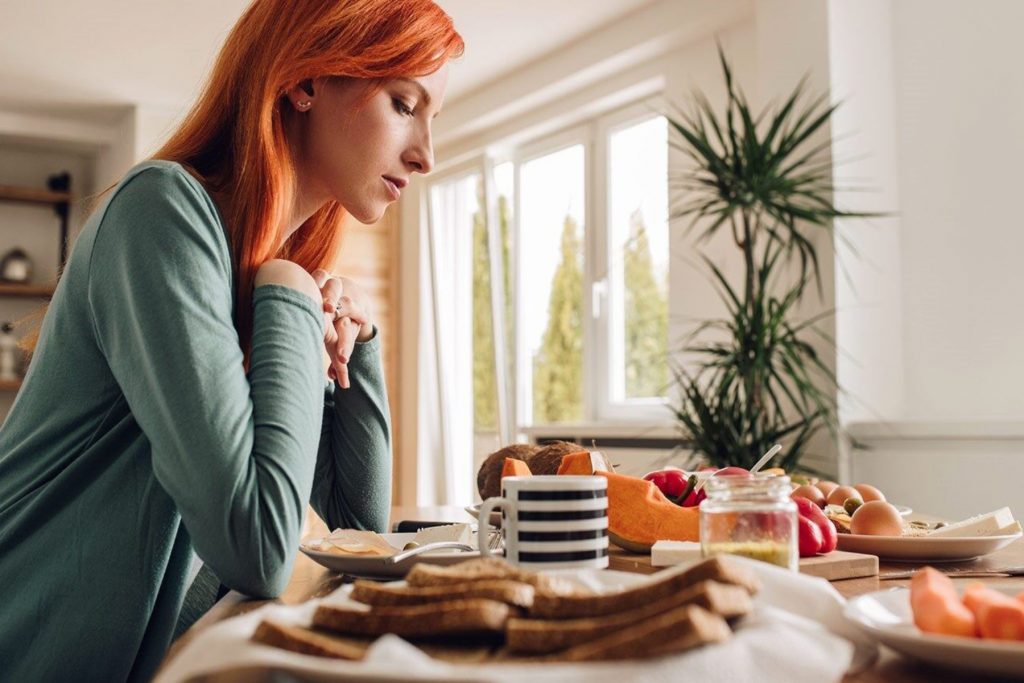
(484, 523)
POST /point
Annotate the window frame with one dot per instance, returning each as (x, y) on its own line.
(522, 154)
(648, 410)
(592, 133)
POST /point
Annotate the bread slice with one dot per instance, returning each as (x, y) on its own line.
(475, 616)
(321, 643)
(550, 635)
(482, 569)
(677, 630)
(660, 586)
(309, 642)
(509, 592)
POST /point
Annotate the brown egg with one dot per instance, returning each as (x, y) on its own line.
(825, 486)
(877, 518)
(811, 493)
(869, 492)
(839, 495)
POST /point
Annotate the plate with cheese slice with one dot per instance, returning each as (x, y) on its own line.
(964, 540)
(368, 554)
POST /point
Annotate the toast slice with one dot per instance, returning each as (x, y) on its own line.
(309, 642)
(538, 636)
(475, 616)
(326, 644)
(660, 587)
(482, 569)
(677, 630)
(509, 592)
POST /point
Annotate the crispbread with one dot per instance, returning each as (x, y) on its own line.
(477, 616)
(660, 586)
(309, 642)
(482, 569)
(670, 632)
(551, 635)
(509, 592)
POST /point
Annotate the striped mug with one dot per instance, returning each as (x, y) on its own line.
(551, 522)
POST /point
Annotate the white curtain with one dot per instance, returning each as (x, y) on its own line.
(445, 451)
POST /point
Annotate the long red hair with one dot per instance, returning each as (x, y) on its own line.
(233, 139)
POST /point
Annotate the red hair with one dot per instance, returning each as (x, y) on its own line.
(233, 139)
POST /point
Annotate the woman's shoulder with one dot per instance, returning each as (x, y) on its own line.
(162, 181)
(158, 210)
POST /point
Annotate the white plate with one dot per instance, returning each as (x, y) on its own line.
(886, 616)
(924, 548)
(379, 567)
(475, 511)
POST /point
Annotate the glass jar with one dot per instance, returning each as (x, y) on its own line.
(750, 516)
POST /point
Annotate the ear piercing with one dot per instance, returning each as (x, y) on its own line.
(304, 105)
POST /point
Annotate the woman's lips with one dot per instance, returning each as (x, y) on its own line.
(393, 188)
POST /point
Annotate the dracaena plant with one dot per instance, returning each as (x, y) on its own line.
(767, 179)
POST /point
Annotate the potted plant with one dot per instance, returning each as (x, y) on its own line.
(756, 380)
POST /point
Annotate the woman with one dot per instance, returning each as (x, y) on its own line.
(177, 405)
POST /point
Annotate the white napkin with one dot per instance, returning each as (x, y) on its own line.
(797, 634)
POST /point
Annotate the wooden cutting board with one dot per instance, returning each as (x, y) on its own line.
(840, 564)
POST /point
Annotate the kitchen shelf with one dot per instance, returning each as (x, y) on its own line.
(10, 384)
(27, 291)
(58, 196)
(31, 195)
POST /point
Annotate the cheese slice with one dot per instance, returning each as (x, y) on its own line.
(459, 533)
(668, 553)
(1010, 530)
(357, 542)
(989, 524)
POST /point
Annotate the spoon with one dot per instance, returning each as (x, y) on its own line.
(765, 458)
(753, 470)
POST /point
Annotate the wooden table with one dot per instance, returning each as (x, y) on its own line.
(310, 580)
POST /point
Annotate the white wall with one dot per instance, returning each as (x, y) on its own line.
(869, 308)
(960, 109)
(934, 95)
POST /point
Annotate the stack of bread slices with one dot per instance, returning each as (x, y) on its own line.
(486, 610)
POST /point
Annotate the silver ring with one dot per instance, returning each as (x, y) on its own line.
(337, 309)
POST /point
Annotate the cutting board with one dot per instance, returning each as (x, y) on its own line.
(840, 564)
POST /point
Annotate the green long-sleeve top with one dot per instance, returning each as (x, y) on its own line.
(138, 439)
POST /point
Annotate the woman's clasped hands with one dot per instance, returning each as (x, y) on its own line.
(347, 313)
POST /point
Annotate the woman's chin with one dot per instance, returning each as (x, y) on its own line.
(367, 215)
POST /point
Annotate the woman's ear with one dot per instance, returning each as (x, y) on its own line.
(302, 96)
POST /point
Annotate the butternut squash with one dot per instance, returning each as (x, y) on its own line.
(638, 512)
(515, 468)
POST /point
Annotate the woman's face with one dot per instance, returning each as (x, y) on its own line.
(362, 152)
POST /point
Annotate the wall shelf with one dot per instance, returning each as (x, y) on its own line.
(32, 195)
(10, 384)
(27, 291)
(58, 196)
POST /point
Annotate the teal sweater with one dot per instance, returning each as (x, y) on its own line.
(138, 439)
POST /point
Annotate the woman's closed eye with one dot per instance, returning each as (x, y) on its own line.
(401, 107)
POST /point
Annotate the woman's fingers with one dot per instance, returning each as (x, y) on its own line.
(332, 291)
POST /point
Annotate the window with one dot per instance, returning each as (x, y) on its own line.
(550, 287)
(574, 230)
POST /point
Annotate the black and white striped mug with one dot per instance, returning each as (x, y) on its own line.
(551, 522)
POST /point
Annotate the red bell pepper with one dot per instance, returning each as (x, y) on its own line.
(677, 486)
(826, 538)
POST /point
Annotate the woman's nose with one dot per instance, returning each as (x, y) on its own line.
(420, 156)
